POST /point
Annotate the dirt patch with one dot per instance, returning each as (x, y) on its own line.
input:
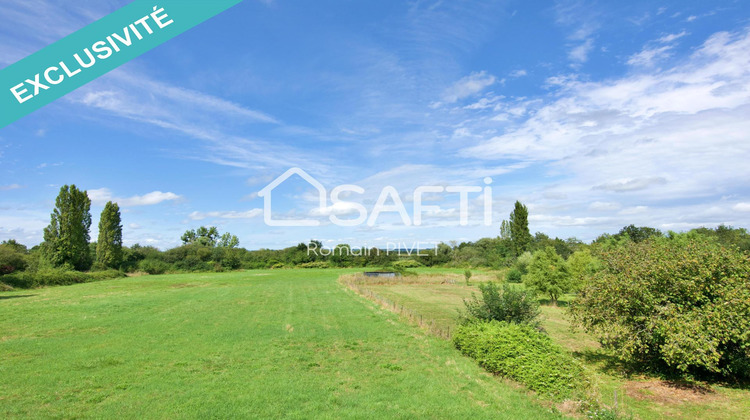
(669, 393)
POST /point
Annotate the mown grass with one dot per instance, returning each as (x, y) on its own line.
(265, 344)
(641, 396)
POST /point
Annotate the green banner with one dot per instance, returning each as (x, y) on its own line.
(96, 49)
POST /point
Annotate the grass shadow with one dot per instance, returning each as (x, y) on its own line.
(548, 302)
(15, 296)
(607, 363)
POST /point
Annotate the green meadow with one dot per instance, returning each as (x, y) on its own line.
(269, 344)
(639, 396)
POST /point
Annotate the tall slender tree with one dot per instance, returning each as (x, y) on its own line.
(109, 244)
(66, 239)
(519, 228)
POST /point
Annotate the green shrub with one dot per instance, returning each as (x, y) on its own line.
(683, 305)
(315, 264)
(11, 260)
(522, 353)
(153, 266)
(523, 261)
(548, 274)
(515, 306)
(407, 264)
(106, 274)
(514, 275)
(46, 277)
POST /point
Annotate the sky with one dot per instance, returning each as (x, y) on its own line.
(595, 114)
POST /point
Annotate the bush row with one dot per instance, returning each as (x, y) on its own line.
(55, 277)
(524, 354)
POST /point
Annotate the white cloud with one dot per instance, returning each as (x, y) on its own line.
(580, 53)
(741, 207)
(634, 210)
(678, 134)
(631, 184)
(604, 206)
(249, 214)
(10, 187)
(649, 56)
(518, 73)
(666, 39)
(102, 195)
(468, 86)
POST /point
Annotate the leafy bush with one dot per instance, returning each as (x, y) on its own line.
(407, 264)
(106, 274)
(55, 277)
(315, 264)
(681, 304)
(523, 261)
(11, 260)
(581, 266)
(153, 266)
(548, 274)
(515, 306)
(514, 275)
(522, 353)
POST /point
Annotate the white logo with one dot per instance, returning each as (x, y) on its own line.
(387, 194)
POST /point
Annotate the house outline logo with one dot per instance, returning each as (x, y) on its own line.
(266, 193)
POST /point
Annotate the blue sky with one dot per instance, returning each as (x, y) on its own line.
(594, 114)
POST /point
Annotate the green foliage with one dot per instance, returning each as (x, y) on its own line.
(522, 353)
(548, 274)
(515, 306)
(228, 240)
(727, 236)
(519, 228)
(206, 236)
(523, 261)
(66, 239)
(564, 248)
(55, 277)
(152, 266)
(109, 243)
(582, 265)
(315, 264)
(467, 276)
(680, 304)
(14, 245)
(12, 259)
(406, 264)
(639, 234)
(514, 275)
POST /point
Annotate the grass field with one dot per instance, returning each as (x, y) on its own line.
(290, 343)
(641, 397)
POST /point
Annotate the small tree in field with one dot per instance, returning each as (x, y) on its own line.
(467, 276)
(548, 274)
(510, 305)
(109, 243)
(582, 265)
(66, 239)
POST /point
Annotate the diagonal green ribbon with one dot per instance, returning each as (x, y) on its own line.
(95, 50)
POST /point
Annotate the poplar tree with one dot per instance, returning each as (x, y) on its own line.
(519, 228)
(109, 244)
(66, 239)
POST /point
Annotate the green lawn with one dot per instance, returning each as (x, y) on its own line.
(290, 343)
(641, 397)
